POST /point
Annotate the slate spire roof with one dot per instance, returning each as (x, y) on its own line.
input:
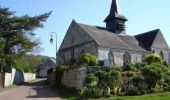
(115, 12)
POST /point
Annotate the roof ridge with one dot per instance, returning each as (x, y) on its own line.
(148, 32)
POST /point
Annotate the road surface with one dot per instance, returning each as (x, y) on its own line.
(30, 91)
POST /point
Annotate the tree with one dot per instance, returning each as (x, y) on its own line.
(18, 32)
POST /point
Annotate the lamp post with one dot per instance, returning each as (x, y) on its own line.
(51, 41)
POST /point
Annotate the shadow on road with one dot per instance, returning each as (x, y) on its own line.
(39, 89)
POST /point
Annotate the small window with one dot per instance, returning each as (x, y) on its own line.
(153, 51)
(169, 57)
(162, 55)
(143, 57)
(101, 63)
(110, 58)
(82, 51)
(126, 58)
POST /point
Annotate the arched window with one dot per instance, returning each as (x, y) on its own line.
(162, 55)
(153, 51)
(126, 58)
(169, 58)
(143, 57)
(110, 58)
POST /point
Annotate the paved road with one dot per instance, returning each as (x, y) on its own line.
(31, 91)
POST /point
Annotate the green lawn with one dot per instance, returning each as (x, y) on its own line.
(163, 96)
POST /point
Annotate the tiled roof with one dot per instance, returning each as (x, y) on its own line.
(105, 38)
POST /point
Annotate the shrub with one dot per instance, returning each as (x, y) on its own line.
(129, 67)
(113, 78)
(153, 74)
(131, 90)
(153, 58)
(92, 79)
(101, 74)
(89, 59)
(92, 92)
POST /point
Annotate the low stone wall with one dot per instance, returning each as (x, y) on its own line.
(74, 77)
(16, 77)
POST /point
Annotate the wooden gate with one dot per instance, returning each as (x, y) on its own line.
(1, 79)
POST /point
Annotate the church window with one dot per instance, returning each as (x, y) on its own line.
(64, 59)
(162, 55)
(110, 58)
(82, 51)
(169, 58)
(126, 58)
(143, 57)
(153, 51)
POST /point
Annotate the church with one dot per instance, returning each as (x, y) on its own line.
(111, 44)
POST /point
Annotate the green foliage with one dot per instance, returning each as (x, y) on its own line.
(154, 73)
(132, 90)
(28, 64)
(153, 58)
(92, 92)
(91, 80)
(129, 67)
(17, 31)
(113, 78)
(133, 79)
(89, 59)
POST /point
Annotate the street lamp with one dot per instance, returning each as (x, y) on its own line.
(51, 41)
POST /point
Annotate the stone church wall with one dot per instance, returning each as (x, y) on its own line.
(136, 58)
(165, 52)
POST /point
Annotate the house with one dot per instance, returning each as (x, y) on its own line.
(111, 44)
(42, 69)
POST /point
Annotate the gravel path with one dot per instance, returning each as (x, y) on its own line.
(31, 91)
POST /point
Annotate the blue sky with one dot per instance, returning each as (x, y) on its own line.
(143, 15)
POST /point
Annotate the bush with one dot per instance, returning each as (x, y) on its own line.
(153, 73)
(89, 59)
(132, 90)
(91, 80)
(129, 67)
(113, 79)
(101, 74)
(92, 92)
(153, 58)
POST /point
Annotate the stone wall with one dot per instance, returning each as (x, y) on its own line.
(16, 77)
(74, 77)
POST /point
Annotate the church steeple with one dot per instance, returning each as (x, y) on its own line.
(115, 21)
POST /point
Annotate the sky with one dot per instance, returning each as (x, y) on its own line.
(143, 16)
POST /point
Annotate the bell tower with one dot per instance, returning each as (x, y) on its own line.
(115, 21)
